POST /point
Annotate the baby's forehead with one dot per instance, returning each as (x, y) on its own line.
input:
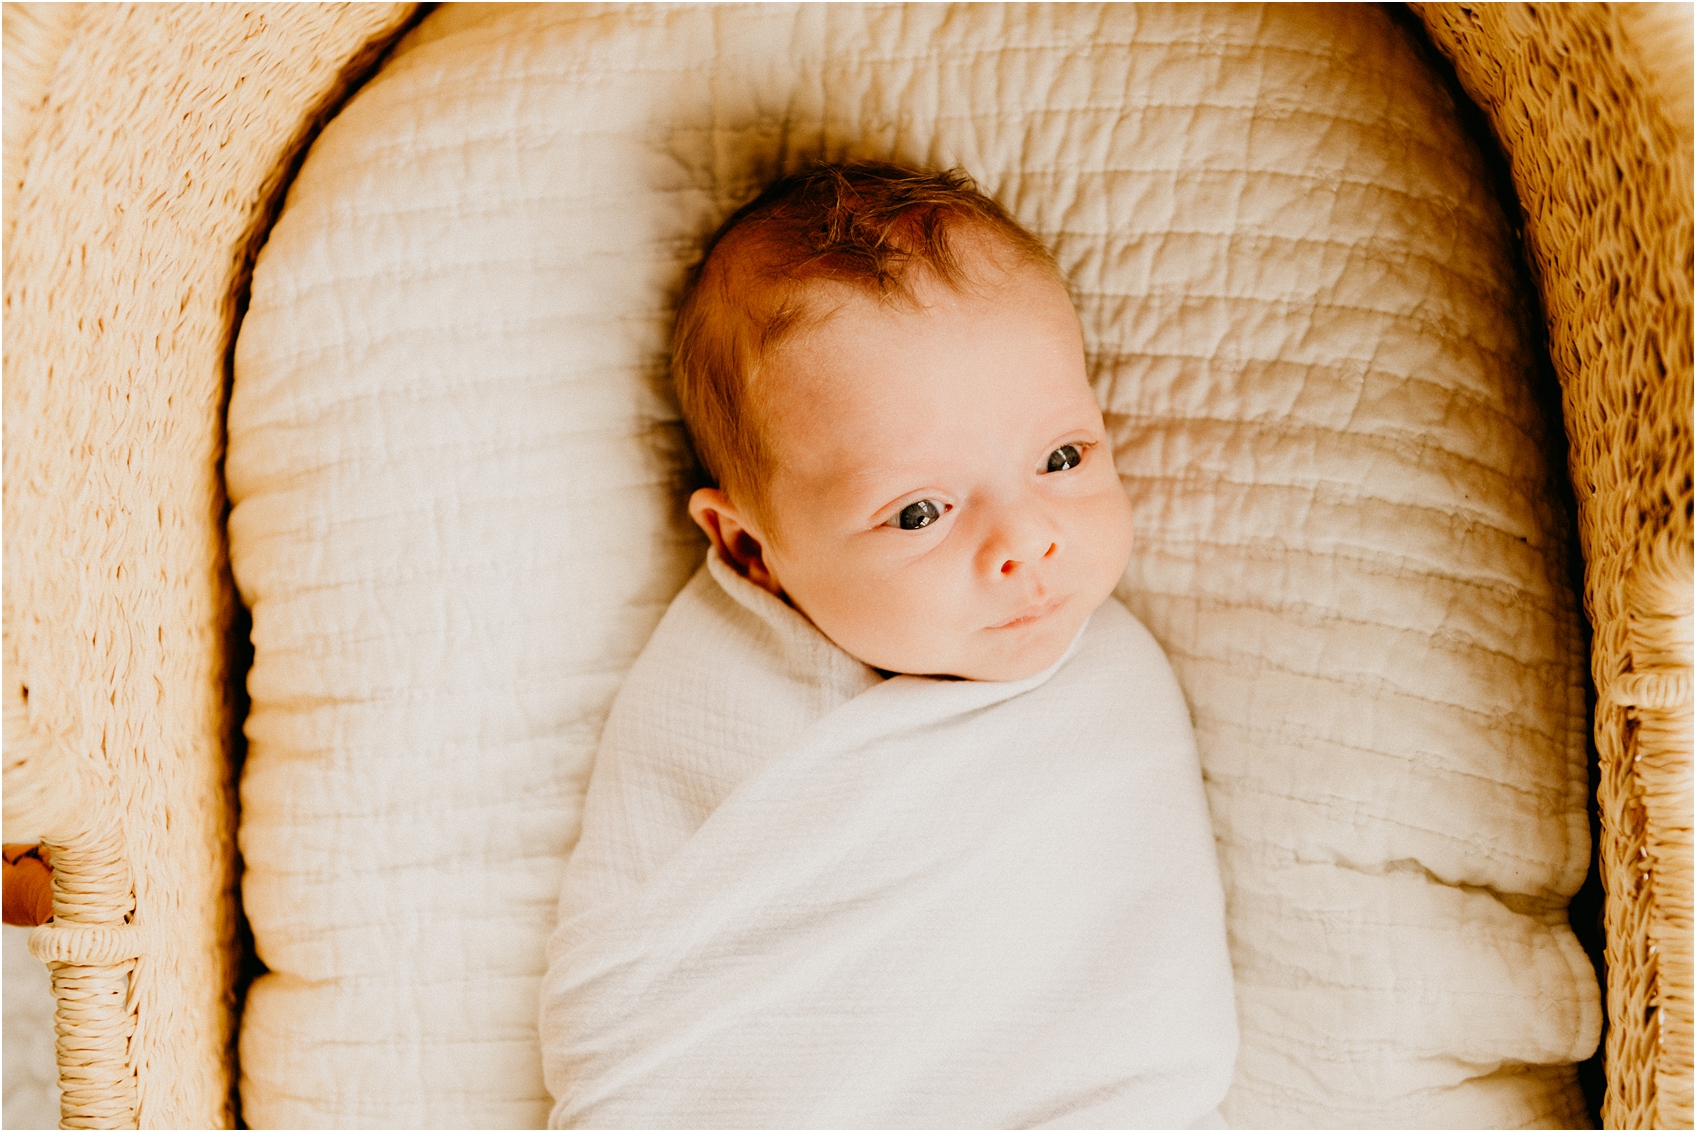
(846, 346)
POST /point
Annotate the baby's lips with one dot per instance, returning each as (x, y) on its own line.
(1031, 613)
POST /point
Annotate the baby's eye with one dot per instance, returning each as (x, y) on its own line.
(916, 515)
(1064, 458)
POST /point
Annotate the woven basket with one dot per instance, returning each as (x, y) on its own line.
(145, 152)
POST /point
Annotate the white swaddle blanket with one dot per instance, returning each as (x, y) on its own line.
(809, 896)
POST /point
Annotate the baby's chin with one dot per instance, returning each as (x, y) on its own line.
(1022, 662)
(1002, 654)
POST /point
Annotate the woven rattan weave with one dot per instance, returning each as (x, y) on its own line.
(145, 148)
(1602, 165)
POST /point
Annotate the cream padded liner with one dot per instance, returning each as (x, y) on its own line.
(458, 473)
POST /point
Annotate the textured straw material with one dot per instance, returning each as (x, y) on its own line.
(144, 147)
(1589, 104)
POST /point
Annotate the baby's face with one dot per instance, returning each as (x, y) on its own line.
(944, 500)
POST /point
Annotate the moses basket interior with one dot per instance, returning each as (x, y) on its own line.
(146, 151)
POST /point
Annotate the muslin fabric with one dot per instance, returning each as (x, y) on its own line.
(806, 896)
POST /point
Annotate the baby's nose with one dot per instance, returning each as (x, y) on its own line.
(1024, 537)
(1037, 551)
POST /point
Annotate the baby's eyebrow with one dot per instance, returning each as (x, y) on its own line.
(886, 476)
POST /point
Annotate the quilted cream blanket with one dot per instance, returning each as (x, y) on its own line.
(807, 896)
(454, 463)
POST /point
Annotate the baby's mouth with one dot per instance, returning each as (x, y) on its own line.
(1031, 614)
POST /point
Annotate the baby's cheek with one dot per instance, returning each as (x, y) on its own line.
(927, 611)
(880, 620)
(1130, 531)
(1114, 536)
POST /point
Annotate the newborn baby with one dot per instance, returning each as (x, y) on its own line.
(897, 820)
(917, 462)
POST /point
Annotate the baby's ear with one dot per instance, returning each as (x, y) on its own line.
(735, 541)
